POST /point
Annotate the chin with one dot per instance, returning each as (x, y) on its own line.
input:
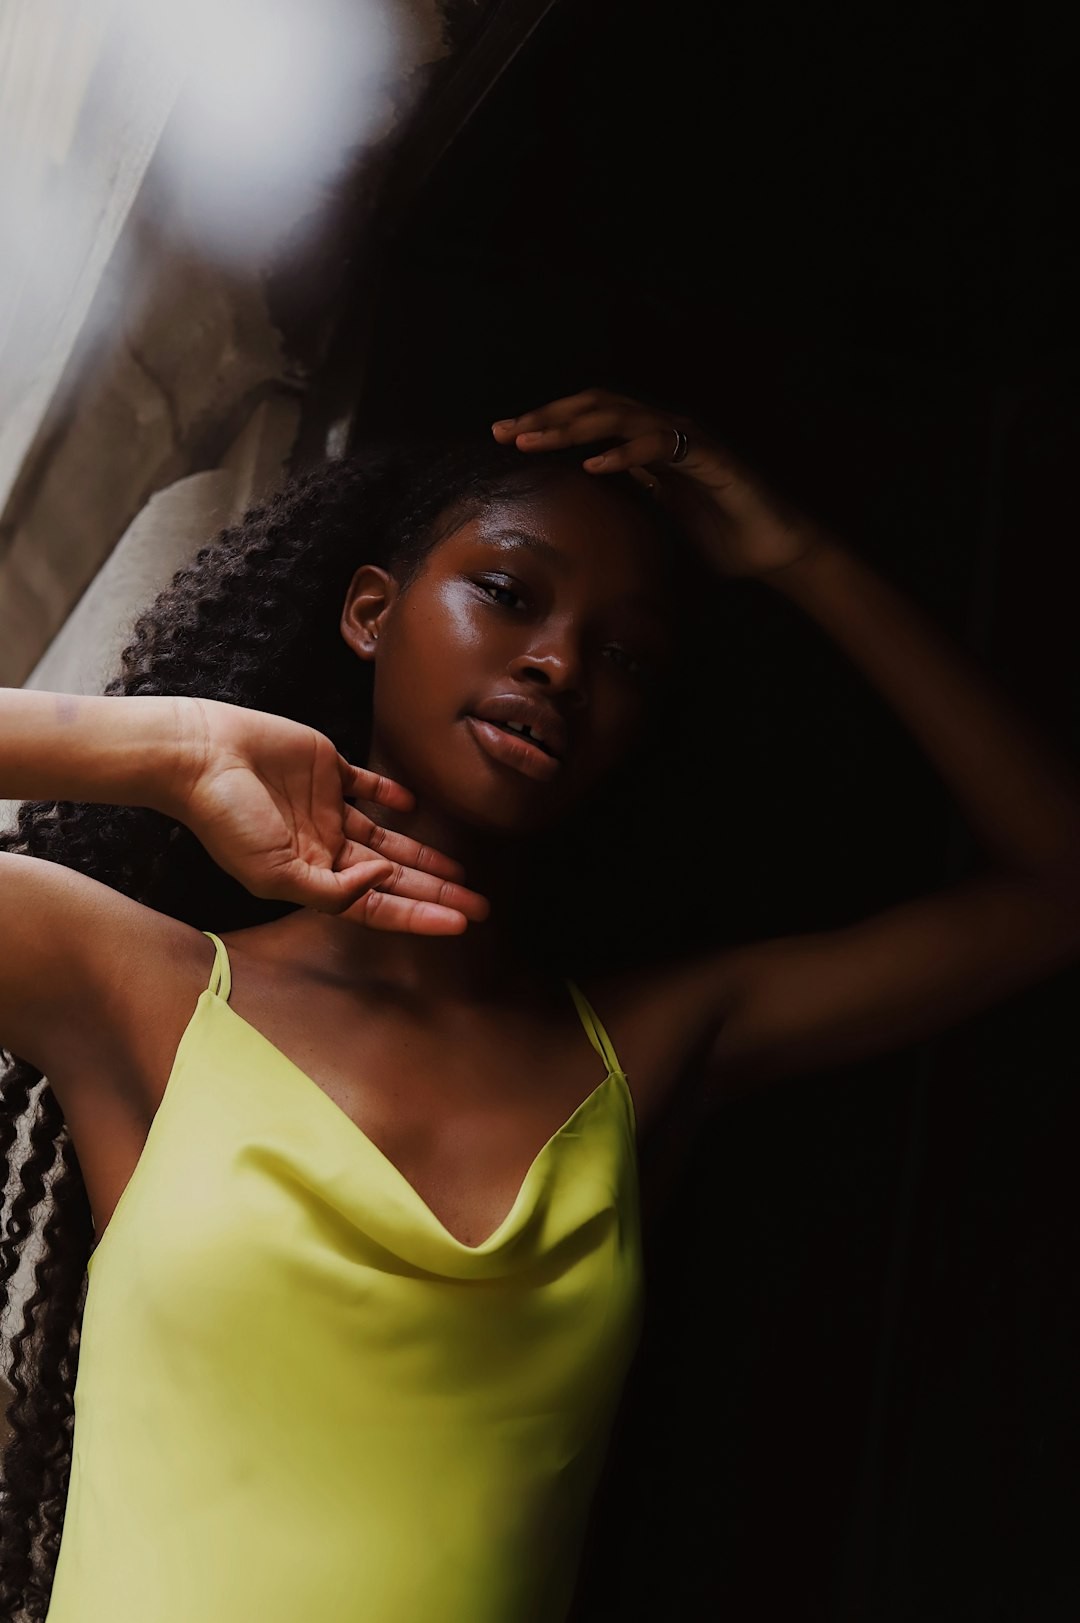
(507, 809)
(509, 815)
(490, 798)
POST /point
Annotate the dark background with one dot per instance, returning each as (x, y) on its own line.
(839, 234)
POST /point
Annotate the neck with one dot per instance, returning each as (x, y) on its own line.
(484, 962)
(476, 966)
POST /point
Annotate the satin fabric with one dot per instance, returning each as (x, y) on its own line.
(300, 1397)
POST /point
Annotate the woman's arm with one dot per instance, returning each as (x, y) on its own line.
(57, 926)
(805, 1002)
(268, 798)
(801, 1003)
(1021, 801)
(62, 746)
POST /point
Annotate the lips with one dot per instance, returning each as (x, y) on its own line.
(521, 733)
(532, 719)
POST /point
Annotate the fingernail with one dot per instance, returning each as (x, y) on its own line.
(504, 422)
(595, 461)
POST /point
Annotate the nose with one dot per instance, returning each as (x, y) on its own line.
(553, 661)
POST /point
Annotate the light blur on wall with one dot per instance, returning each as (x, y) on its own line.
(250, 109)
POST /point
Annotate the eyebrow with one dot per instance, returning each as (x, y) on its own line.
(509, 540)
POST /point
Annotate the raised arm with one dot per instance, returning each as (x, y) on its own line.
(801, 1003)
(805, 1002)
(270, 799)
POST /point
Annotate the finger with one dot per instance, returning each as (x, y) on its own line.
(643, 451)
(612, 423)
(647, 481)
(582, 400)
(378, 911)
(399, 847)
(556, 411)
(422, 887)
(357, 783)
(331, 891)
(351, 895)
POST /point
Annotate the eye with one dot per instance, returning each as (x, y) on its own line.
(499, 591)
(628, 662)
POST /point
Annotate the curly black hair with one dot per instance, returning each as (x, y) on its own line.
(254, 620)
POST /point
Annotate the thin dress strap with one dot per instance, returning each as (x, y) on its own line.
(220, 982)
(593, 1028)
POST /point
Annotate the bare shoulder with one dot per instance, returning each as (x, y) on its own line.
(663, 1021)
(88, 971)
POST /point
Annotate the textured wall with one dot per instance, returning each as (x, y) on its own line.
(184, 352)
(182, 413)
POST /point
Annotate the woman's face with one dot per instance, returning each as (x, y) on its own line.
(515, 669)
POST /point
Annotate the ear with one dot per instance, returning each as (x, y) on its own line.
(370, 596)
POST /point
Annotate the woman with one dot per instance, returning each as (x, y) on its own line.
(367, 1275)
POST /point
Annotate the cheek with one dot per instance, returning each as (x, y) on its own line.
(427, 667)
(620, 721)
(444, 632)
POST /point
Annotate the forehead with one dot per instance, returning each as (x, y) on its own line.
(572, 524)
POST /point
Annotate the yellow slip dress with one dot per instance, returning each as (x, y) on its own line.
(301, 1400)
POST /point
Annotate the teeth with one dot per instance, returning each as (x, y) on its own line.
(521, 729)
